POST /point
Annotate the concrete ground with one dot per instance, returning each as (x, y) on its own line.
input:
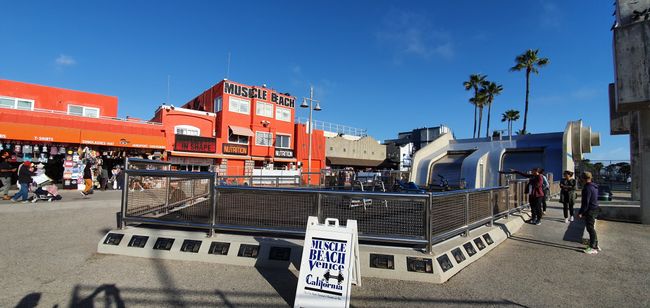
(47, 257)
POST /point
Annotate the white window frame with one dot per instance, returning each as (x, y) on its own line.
(83, 111)
(282, 135)
(259, 104)
(187, 128)
(218, 104)
(235, 105)
(279, 111)
(16, 99)
(269, 136)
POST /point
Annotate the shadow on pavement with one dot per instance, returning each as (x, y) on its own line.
(29, 301)
(545, 243)
(574, 231)
(283, 281)
(111, 297)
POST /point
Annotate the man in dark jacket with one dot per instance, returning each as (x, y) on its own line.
(590, 210)
(535, 193)
(25, 173)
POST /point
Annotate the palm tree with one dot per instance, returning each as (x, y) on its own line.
(490, 89)
(510, 116)
(479, 100)
(474, 82)
(530, 62)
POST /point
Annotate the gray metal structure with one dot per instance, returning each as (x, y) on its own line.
(191, 199)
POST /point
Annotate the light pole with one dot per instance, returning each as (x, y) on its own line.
(311, 109)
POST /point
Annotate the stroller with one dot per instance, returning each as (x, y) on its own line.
(45, 190)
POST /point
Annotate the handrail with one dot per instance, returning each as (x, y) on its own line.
(59, 112)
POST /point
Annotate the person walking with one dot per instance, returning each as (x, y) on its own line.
(5, 175)
(535, 193)
(567, 195)
(25, 173)
(589, 210)
(88, 179)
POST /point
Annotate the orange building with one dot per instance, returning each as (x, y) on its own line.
(45, 124)
(255, 128)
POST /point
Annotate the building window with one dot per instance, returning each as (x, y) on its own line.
(218, 104)
(283, 141)
(232, 138)
(83, 111)
(16, 103)
(264, 109)
(187, 130)
(263, 139)
(283, 114)
(239, 105)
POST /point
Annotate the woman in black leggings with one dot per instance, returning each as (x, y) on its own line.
(568, 194)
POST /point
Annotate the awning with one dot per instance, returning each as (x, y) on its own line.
(122, 140)
(242, 131)
(30, 132)
(352, 162)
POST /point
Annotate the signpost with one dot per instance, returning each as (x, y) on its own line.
(329, 265)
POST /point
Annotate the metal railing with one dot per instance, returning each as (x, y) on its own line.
(335, 128)
(191, 199)
(64, 113)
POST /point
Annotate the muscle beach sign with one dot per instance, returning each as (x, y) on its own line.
(329, 266)
(260, 93)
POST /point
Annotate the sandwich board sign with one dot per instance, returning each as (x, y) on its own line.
(329, 265)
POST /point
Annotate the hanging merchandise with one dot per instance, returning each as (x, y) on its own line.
(62, 150)
(44, 149)
(69, 175)
(17, 149)
(27, 149)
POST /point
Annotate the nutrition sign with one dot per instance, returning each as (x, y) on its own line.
(330, 264)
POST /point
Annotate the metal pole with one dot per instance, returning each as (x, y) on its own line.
(491, 207)
(213, 202)
(320, 208)
(125, 197)
(428, 224)
(508, 199)
(466, 215)
(167, 179)
(311, 110)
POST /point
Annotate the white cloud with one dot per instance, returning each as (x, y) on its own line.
(551, 16)
(410, 33)
(64, 60)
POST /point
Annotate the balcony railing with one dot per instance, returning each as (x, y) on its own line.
(59, 112)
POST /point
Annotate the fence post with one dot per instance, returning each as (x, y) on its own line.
(213, 203)
(320, 208)
(429, 225)
(125, 199)
(491, 206)
(466, 214)
(508, 199)
(167, 180)
(277, 181)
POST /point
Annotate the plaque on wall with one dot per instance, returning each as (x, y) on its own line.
(235, 149)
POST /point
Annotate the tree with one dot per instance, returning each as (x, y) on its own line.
(530, 62)
(510, 116)
(474, 82)
(490, 89)
(479, 100)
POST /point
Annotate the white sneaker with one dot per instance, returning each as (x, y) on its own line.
(566, 220)
(34, 200)
(571, 218)
(591, 251)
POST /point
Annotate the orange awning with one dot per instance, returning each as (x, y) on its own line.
(30, 132)
(122, 140)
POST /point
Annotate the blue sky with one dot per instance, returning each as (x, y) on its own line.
(387, 66)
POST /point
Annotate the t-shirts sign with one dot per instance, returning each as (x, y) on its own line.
(329, 265)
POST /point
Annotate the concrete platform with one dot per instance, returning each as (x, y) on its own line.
(446, 259)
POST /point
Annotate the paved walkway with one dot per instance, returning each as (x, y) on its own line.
(47, 256)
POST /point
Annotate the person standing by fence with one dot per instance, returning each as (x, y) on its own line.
(567, 195)
(546, 189)
(535, 193)
(590, 209)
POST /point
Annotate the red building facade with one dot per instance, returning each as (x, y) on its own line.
(255, 127)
